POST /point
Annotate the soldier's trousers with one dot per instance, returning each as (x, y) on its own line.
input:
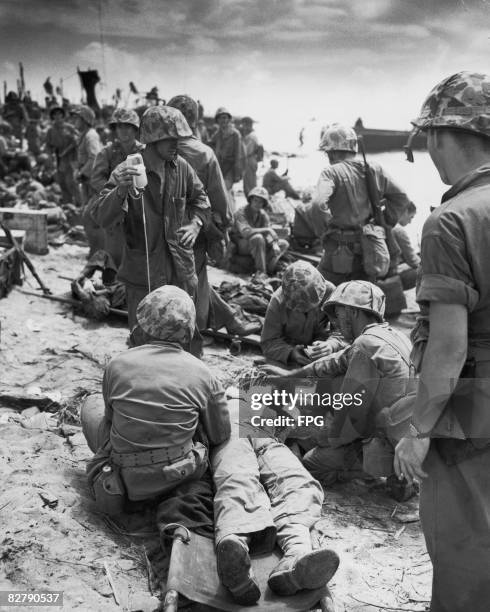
(262, 490)
(455, 516)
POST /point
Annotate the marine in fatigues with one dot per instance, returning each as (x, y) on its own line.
(449, 445)
(375, 365)
(150, 433)
(294, 318)
(341, 196)
(125, 123)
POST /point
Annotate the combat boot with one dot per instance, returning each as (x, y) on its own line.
(400, 490)
(301, 567)
(234, 570)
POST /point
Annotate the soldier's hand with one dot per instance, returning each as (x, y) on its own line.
(188, 234)
(272, 234)
(273, 370)
(410, 454)
(123, 175)
(298, 356)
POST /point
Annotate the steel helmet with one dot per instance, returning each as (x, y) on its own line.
(160, 122)
(125, 115)
(259, 192)
(461, 101)
(86, 113)
(222, 111)
(338, 137)
(167, 313)
(303, 287)
(187, 106)
(358, 294)
(55, 109)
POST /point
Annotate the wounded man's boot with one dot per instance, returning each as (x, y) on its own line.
(234, 569)
(301, 567)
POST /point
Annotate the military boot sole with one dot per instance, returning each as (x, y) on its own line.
(235, 574)
(310, 571)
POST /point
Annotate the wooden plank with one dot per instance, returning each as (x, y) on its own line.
(35, 224)
(313, 259)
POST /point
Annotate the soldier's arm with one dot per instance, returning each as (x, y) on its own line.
(217, 192)
(395, 199)
(197, 203)
(215, 416)
(101, 171)
(272, 341)
(409, 255)
(111, 205)
(238, 156)
(330, 366)
(93, 145)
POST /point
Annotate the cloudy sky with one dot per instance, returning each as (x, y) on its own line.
(282, 61)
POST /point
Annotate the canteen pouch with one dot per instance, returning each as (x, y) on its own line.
(342, 259)
(375, 254)
(109, 491)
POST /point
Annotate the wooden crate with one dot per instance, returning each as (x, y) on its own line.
(35, 224)
(10, 270)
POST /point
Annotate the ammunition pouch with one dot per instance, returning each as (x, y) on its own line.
(375, 253)
(347, 248)
(109, 491)
(152, 473)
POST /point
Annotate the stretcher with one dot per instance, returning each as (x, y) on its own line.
(192, 573)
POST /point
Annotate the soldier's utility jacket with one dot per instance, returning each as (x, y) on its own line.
(107, 159)
(407, 252)
(285, 328)
(173, 197)
(148, 408)
(89, 146)
(454, 270)
(342, 190)
(377, 365)
(247, 220)
(203, 159)
(228, 148)
(61, 141)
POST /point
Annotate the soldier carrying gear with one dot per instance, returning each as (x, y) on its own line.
(85, 113)
(188, 107)
(342, 211)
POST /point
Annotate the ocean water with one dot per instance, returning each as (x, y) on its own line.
(420, 180)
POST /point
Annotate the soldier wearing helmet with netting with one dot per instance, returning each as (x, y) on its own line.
(295, 321)
(146, 425)
(448, 447)
(374, 370)
(125, 123)
(212, 310)
(158, 247)
(341, 207)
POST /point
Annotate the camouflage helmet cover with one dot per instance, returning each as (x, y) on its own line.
(338, 137)
(357, 294)
(303, 287)
(187, 106)
(461, 101)
(259, 192)
(222, 111)
(167, 313)
(125, 115)
(160, 122)
(86, 113)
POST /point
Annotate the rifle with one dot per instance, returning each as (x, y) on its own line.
(376, 206)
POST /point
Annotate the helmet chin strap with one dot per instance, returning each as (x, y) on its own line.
(408, 147)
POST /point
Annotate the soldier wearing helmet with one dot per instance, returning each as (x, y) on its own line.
(375, 369)
(341, 207)
(295, 320)
(175, 208)
(448, 446)
(89, 145)
(125, 123)
(253, 153)
(145, 427)
(253, 234)
(227, 144)
(61, 144)
(212, 310)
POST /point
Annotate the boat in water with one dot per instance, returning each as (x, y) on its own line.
(378, 141)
